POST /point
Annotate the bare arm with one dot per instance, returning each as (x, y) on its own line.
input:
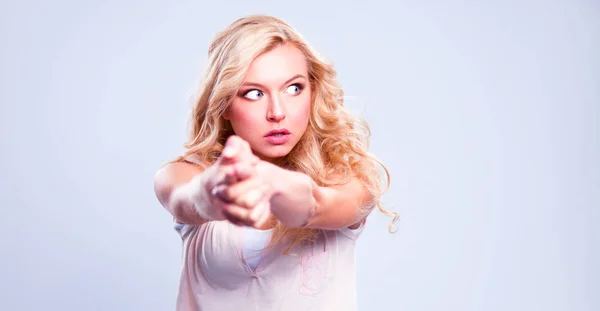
(181, 189)
(299, 202)
(185, 190)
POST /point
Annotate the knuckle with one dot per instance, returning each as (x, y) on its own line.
(229, 170)
(225, 210)
(233, 212)
(238, 140)
(228, 193)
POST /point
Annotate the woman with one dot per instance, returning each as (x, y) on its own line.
(276, 182)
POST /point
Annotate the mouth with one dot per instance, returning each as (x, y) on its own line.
(278, 132)
(278, 137)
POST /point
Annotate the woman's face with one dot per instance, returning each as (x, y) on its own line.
(271, 109)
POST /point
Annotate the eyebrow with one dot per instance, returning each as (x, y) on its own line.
(286, 82)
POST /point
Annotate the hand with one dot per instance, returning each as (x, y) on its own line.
(237, 188)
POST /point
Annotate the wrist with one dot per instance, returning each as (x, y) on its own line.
(271, 175)
(198, 192)
(293, 201)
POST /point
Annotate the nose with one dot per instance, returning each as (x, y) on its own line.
(275, 112)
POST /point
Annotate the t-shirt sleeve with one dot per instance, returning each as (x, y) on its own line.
(354, 233)
(182, 229)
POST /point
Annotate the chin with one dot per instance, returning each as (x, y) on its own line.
(273, 153)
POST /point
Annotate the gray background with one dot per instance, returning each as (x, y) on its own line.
(486, 113)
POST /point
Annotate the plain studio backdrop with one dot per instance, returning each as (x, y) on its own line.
(486, 114)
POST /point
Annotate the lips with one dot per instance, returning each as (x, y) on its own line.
(278, 137)
(278, 132)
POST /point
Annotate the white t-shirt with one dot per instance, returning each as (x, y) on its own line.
(216, 275)
(254, 242)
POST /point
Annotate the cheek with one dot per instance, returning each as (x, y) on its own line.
(299, 106)
(242, 120)
(303, 112)
(239, 115)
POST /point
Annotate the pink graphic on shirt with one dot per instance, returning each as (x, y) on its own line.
(314, 272)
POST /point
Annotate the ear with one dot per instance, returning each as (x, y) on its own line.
(226, 115)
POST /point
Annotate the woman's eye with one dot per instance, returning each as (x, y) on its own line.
(253, 94)
(294, 89)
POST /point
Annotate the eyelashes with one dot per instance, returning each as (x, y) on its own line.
(297, 86)
(255, 94)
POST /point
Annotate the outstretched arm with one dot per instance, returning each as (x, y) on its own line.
(298, 201)
(180, 188)
(186, 191)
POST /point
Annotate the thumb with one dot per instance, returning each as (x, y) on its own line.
(232, 148)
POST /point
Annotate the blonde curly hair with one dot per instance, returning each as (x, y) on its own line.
(334, 147)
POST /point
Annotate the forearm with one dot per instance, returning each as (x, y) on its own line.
(191, 201)
(299, 202)
(293, 202)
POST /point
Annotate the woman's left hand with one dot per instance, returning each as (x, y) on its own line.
(246, 193)
(249, 201)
